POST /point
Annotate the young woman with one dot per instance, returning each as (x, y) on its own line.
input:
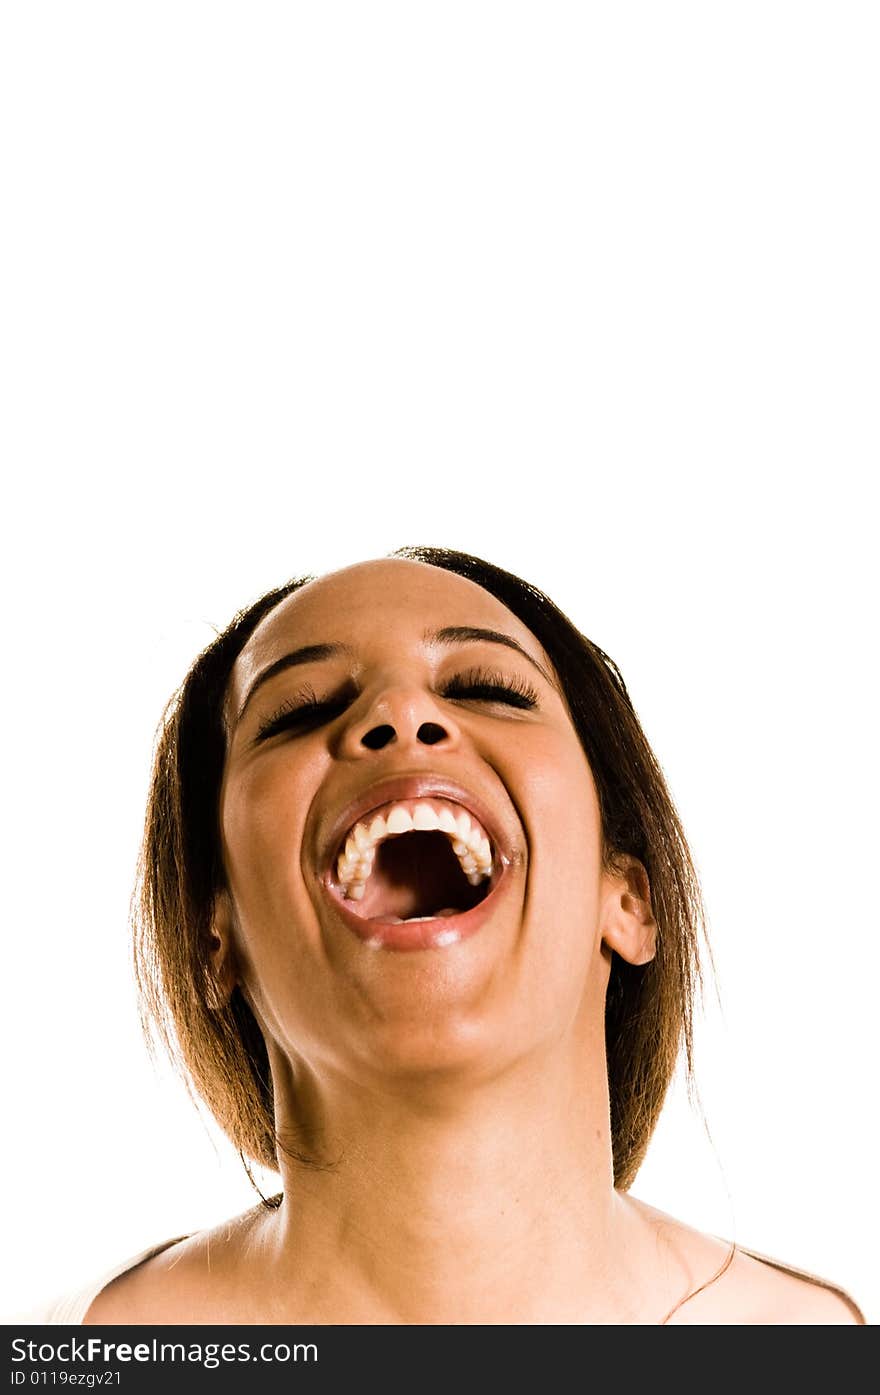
(419, 920)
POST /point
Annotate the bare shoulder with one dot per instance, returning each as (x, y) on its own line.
(139, 1293)
(771, 1291)
(717, 1282)
(177, 1282)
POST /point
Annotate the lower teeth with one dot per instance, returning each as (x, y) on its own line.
(414, 919)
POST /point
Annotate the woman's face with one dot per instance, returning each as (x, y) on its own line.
(365, 949)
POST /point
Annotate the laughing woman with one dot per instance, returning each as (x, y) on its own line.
(418, 918)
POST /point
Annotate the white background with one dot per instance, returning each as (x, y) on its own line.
(589, 290)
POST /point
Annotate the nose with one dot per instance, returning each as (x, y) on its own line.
(400, 715)
(429, 734)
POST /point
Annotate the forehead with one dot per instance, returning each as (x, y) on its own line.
(391, 600)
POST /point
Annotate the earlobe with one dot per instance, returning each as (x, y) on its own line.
(629, 925)
(222, 952)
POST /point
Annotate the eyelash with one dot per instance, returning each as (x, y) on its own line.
(479, 685)
(492, 687)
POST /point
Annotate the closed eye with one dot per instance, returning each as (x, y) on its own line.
(478, 685)
(303, 713)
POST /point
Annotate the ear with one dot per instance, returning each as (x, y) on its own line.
(629, 927)
(222, 942)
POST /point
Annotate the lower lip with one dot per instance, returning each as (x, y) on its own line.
(443, 933)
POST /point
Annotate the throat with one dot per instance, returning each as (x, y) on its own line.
(417, 877)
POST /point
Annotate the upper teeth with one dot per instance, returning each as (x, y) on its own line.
(469, 840)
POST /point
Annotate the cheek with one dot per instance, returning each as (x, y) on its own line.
(262, 815)
(560, 809)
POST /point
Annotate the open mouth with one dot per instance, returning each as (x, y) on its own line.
(412, 873)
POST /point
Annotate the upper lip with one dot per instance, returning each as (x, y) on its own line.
(410, 786)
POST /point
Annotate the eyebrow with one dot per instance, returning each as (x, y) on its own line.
(309, 654)
(450, 634)
(473, 634)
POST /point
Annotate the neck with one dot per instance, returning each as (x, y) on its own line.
(442, 1205)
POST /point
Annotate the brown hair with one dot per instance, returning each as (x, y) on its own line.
(649, 1008)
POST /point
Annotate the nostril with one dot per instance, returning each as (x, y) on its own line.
(377, 738)
(430, 733)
